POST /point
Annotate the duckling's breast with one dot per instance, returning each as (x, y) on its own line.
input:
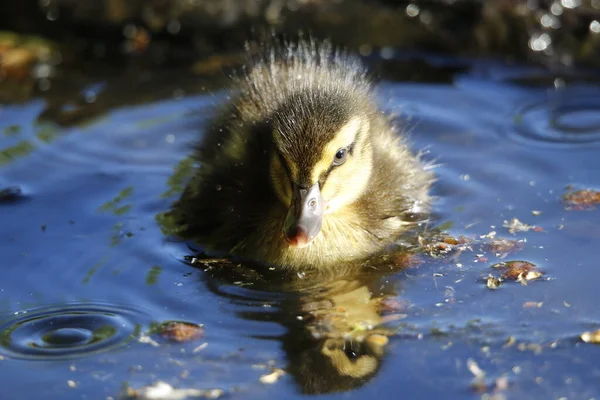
(342, 239)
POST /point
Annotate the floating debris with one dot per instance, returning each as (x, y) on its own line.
(491, 390)
(474, 369)
(510, 341)
(528, 276)
(147, 340)
(514, 226)
(269, 379)
(480, 258)
(163, 391)
(492, 282)
(533, 304)
(181, 331)
(502, 383)
(443, 245)
(581, 199)
(518, 270)
(502, 247)
(591, 337)
(11, 194)
(200, 348)
(405, 259)
(489, 235)
(536, 348)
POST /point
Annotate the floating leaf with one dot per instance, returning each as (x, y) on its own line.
(518, 270)
(581, 199)
(181, 331)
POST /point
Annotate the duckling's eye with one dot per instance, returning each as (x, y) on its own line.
(340, 156)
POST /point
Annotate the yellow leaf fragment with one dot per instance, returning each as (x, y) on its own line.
(591, 337)
(492, 282)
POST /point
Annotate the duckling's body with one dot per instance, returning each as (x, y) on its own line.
(300, 169)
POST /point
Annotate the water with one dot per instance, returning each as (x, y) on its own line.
(88, 275)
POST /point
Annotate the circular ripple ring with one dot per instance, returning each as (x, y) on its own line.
(68, 331)
(567, 117)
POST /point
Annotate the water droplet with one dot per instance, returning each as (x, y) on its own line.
(540, 42)
(549, 21)
(412, 10)
(595, 26)
(571, 3)
(556, 8)
(43, 71)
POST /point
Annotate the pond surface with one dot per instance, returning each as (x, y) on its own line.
(87, 273)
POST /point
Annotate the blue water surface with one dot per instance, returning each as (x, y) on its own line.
(83, 256)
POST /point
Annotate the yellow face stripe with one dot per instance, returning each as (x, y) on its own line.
(343, 138)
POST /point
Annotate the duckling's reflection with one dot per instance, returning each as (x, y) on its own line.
(339, 344)
(337, 333)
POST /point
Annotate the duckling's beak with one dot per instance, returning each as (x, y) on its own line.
(305, 216)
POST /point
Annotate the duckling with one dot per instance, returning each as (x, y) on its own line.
(301, 169)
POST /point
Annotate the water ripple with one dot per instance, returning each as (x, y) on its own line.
(69, 331)
(566, 116)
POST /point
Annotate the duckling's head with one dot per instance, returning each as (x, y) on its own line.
(321, 160)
